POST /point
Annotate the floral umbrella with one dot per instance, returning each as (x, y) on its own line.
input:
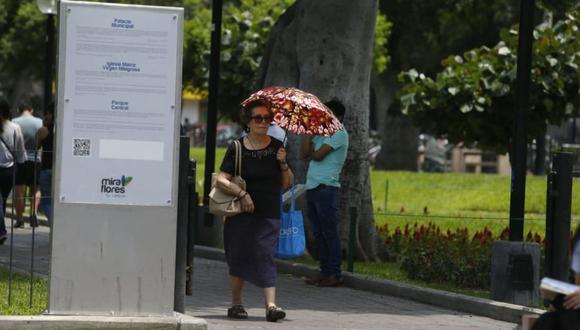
(297, 111)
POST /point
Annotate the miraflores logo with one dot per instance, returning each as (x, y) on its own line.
(115, 186)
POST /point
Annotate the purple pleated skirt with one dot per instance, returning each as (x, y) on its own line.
(250, 244)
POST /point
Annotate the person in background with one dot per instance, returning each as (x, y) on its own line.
(327, 156)
(45, 140)
(27, 174)
(12, 152)
(568, 317)
(250, 237)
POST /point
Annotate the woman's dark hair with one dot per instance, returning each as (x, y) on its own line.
(4, 112)
(50, 109)
(337, 108)
(246, 113)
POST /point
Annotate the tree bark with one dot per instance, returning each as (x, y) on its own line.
(325, 47)
(399, 135)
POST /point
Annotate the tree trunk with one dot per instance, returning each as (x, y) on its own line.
(325, 47)
(399, 136)
(540, 159)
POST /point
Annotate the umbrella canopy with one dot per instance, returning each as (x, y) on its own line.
(297, 111)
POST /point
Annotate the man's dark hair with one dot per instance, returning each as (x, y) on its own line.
(337, 108)
(246, 113)
(24, 107)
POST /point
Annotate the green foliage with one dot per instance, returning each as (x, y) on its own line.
(424, 32)
(380, 50)
(472, 98)
(432, 253)
(21, 39)
(245, 30)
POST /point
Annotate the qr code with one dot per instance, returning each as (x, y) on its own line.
(82, 147)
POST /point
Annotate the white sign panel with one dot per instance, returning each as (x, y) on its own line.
(119, 108)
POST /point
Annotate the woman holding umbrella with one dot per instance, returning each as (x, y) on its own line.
(250, 237)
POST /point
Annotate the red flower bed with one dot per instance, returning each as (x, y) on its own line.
(431, 254)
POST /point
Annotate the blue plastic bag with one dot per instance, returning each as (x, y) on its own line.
(292, 242)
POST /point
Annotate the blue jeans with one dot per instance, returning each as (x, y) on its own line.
(323, 215)
(45, 180)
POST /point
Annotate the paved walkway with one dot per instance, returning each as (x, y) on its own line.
(307, 307)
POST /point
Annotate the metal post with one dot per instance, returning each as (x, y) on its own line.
(386, 195)
(181, 240)
(192, 213)
(558, 217)
(214, 76)
(518, 184)
(351, 239)
(548, 237)
(33, 224)
(11, 258)
(48, 61)
(540, 161)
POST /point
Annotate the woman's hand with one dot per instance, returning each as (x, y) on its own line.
(247, 203)
(572, 301)
(281, 155)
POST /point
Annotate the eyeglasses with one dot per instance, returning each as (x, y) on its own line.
(261, 119)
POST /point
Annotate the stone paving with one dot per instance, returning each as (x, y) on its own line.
(310, 307)
(307, 307)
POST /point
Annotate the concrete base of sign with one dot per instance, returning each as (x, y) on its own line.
(64, 322)
(515, 272)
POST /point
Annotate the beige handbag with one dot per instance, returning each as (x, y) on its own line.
(222, 203)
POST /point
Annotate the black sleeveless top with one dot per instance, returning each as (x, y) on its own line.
(47, 150)
(262, 173)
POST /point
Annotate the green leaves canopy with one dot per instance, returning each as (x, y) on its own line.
(473, 98)
(245, 29)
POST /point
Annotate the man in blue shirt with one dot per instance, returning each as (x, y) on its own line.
(327, 156)
(27, 173)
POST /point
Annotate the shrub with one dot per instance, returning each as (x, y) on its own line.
(430, 254)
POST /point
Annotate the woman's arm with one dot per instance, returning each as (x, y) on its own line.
(224, 183)
(287, 176)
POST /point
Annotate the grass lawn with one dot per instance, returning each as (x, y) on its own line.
(199, 155)
(457, 199)
(20, 295)
(452, 199)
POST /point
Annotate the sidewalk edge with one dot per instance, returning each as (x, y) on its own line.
(450, 300)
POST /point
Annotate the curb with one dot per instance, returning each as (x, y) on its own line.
(64, 322)
(455, 301)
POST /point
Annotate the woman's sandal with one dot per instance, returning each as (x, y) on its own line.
(275, 313)
(237, 312)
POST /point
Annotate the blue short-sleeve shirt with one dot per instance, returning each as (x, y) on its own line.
(327, 171)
